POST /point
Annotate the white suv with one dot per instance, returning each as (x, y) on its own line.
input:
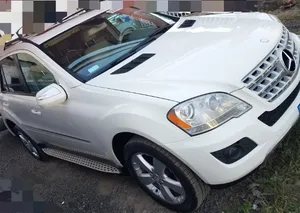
(184, 105)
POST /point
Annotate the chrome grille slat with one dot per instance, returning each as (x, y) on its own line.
(297, 55)
(270, 79)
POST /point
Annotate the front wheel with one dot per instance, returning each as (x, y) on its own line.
(166, 179)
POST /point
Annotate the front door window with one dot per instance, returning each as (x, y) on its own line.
(36, 75)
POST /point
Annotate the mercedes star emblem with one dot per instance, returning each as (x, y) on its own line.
(288, 61)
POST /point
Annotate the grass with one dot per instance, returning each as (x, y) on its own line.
(280, 182)
(288, 15)
(275, 187)
(290, 18)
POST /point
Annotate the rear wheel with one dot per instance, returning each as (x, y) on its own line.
(166, 179)
(30, 145)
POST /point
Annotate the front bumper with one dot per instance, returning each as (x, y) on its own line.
(196, 152)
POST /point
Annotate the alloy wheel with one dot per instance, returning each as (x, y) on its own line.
(28, 144)
(158, 178)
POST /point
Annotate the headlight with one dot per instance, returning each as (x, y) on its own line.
(206, 112)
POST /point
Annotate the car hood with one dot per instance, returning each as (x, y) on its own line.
(212, 55)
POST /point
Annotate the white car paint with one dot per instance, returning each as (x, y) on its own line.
(213, 55)
(187, 66)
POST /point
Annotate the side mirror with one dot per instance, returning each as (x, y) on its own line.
(51, 95)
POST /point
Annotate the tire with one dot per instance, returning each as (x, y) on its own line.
(195, 190)
(126, 33)
(2, 125)
(31, 146)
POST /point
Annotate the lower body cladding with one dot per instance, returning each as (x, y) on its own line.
(238, 147)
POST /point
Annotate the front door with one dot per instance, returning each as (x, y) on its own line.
(13, 92)
(53, 124)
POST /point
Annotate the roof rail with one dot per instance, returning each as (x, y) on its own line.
(11, 42)
(73, 14)
(21, 37)
(17, 33)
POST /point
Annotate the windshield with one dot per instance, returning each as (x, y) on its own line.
(86, 49)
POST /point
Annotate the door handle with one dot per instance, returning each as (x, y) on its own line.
(5, 104)
(36, 112)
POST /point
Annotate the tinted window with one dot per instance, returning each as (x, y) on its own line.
(86, 49)
(36, 75)
(11, 78)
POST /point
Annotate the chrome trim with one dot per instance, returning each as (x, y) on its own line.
(272, 77)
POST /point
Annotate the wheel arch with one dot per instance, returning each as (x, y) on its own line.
(118, 143)
(127, 120)
(10, 126)
(2, 124)
(122, 138)
(10, 120)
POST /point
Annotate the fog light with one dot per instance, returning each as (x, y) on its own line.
(236, 151)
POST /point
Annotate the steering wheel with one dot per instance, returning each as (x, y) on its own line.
(126, 32)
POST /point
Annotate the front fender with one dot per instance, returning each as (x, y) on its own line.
(158, 131)
(147, 121)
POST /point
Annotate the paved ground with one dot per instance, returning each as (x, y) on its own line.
(72, 188)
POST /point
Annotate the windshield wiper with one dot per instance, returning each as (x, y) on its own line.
(147, 40)
(153, 36)
(161, 30)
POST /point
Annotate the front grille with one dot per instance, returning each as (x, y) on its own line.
(270, 78)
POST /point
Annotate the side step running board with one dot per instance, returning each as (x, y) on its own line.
(83, 161)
